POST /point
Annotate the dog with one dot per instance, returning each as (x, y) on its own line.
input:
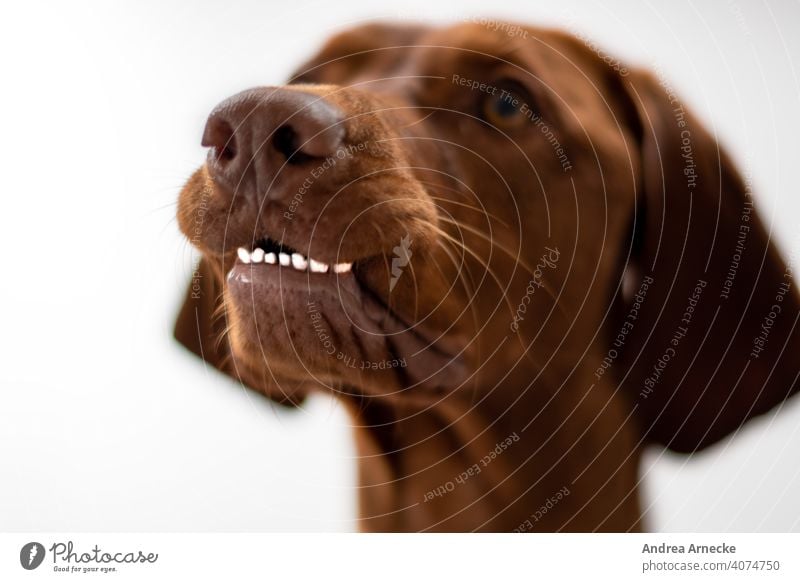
(516, 264)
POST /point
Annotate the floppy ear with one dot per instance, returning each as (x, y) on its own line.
(197, 328)
(712, 321)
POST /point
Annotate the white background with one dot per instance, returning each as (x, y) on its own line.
(106, 424)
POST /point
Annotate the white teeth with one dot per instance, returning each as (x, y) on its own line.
(295, 260)
(299, 262)
(317, 267)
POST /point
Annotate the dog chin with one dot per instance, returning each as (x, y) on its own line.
(288, 342)
(331, 333)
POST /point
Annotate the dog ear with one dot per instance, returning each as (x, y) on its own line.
(709, 333)
(200, 325)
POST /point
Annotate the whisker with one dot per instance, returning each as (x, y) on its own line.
(480, 261)
(475, 208)
(162, 207)
(436, 185)
(548, 291)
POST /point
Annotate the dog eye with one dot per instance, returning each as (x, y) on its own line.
(508, 106)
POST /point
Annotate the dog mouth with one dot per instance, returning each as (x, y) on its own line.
(266, 251)
(304, 318)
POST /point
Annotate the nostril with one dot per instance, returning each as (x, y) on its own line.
(219, 136)
(285, 140)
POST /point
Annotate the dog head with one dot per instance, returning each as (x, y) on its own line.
(427, 210)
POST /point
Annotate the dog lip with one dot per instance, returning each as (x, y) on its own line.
(248, 272)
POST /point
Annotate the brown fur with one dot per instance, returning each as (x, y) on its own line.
(624, 211)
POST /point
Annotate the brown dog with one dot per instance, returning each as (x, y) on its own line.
(517, 264)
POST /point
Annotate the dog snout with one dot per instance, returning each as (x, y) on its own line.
(259, 138)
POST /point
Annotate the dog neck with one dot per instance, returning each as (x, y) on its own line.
(516, 458)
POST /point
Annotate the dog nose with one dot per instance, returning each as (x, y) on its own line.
(257, 133)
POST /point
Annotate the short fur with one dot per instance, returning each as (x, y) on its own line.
(577, 288)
